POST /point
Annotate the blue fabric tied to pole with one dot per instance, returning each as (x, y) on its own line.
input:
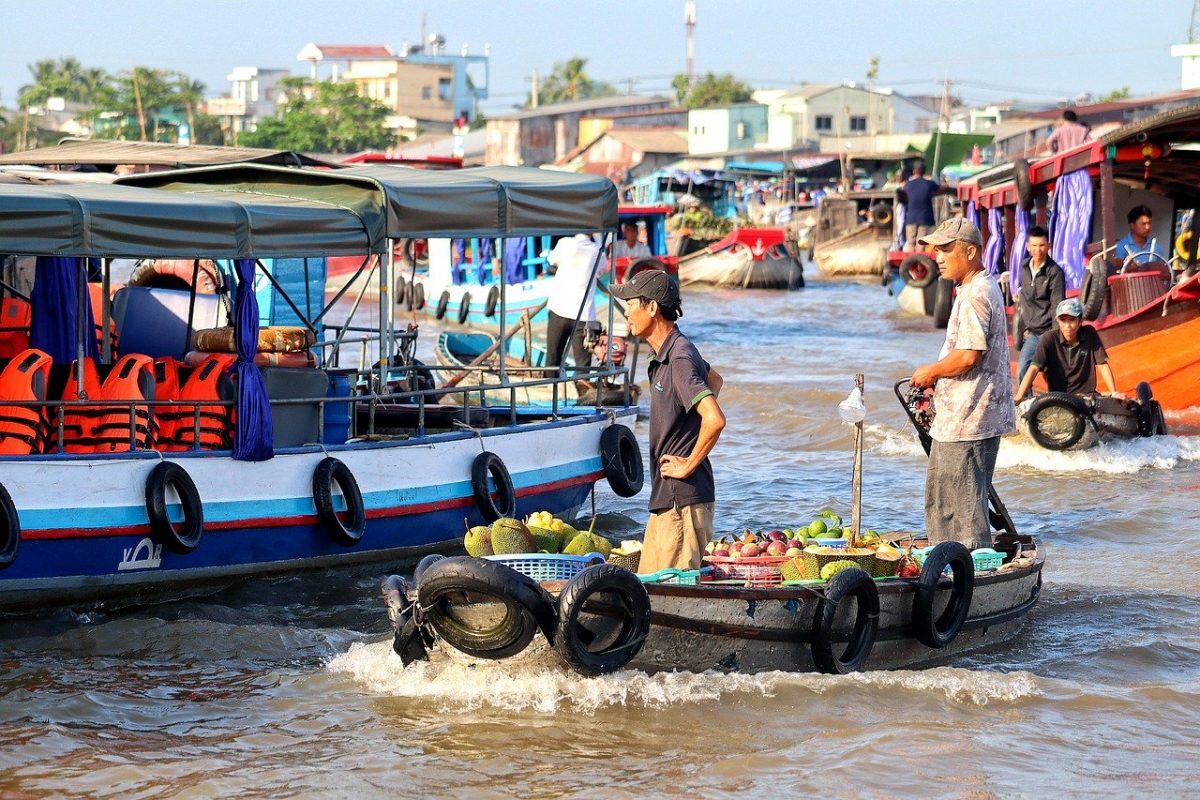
(1070, 224)
(1017, 254)
(514, 254)
(993, 253)
(483, 269)
(255, 436)
(54, 310)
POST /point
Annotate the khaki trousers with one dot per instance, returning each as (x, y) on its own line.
(677, 538)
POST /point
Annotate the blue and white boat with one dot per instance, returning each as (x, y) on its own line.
(316, 476)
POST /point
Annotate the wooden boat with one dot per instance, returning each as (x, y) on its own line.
(316, 492)
(1147, 314)
(748, 258)
(853, 233)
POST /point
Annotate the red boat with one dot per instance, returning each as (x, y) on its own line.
(748, 258)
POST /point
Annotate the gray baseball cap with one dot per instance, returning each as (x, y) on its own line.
(1069, 308)
(955, 229)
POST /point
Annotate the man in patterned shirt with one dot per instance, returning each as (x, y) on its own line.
(972, 392)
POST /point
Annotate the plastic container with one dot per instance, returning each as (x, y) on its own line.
(759, 571)
(337, 415)
(829, 542)
(986, 559)
(685, 577)
(548, 566)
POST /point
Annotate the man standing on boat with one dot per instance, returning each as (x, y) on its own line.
(972, 392)
(1043, 288)
(685, 423)
(917, 195)
(569, 289)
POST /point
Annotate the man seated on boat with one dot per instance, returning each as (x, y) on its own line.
(972, 392)
(629, 246)
(1137, 242)
(570, 289)
(685, 423)
(1043, 288)
(1070, 356)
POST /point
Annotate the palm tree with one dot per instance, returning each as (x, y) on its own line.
(568, 80)
(189, 94)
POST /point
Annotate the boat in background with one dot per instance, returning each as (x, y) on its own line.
(748, 258)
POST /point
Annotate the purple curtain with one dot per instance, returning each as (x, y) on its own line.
(514, 254)
(972, 213)
(255, 435)
(900, 214)
(53, 306)
(1070, 224)
(993, 253)
(1017, 254)
(483, 270)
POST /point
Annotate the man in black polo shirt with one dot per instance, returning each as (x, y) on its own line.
(685, 423)
(1070, 355)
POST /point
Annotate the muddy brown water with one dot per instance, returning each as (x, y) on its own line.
(288, 687)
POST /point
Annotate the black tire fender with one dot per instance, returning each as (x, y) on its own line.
(940, 631)
(1094, 288)
(575, 643)
(943, 303)
(401, 291)
(464, 308)
(186, 538)
(849, 583)
(527, 606)
(442, 304)
(424, 564)
(1063, 400)
(1023, 183)
(881, 215)
(1145, 410)
(417, 296)
(621, 457)
(10, 535)
(489, 465)
(493, 302)
(328, 472)
(922, 277)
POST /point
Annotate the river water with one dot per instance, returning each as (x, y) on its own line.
(289, 687)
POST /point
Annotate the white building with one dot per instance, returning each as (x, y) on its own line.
(254, 95)
(803, 116)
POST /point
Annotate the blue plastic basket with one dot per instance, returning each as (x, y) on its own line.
(547, 566)
(984, 558)
(686, 577)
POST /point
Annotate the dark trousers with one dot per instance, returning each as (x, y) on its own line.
(560, 331)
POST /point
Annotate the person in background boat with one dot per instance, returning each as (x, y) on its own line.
(1043, 288)
(570, 288)
(972, 392)
(685, 423)
(917, 196)
(1070, 356)
(629, 246)
(1068, 133)
(1141, 223)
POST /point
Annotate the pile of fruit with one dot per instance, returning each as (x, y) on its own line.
(541, 532)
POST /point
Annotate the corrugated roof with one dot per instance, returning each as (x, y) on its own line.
(111, 153)
(349, 52)
(592, 104)
(651, 140)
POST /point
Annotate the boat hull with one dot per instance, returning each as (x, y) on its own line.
(740, 270)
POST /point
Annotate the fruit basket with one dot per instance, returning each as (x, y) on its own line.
(629, 561)
(683, 577)
(758, 571)
(548, 567)
(885, 567)
(813, 562)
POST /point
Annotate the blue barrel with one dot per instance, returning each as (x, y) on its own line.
(337, 415)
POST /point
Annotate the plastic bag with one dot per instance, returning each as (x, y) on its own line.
(852, 409)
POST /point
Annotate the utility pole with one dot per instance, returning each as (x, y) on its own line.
(137, 99)
(689, 25)
(943, 124)
(533, 89)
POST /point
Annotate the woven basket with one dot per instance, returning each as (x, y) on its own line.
(629, 561)
(814, 561)
(885, 567)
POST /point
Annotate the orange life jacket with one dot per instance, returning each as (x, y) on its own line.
(22, 428)
(14, 326)
(126, 382)
(216, 421)
(78, 421)
(169, 419)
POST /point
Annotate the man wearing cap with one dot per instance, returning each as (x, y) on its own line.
(685, 423)
(972, 392)
(1070, 356)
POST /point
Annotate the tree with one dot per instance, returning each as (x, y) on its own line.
(711, 90)
(146, 95)
(322, 117)
(1115, 94)
(568, 80)
(189, 94)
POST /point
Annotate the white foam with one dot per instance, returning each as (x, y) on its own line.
(539, 683)
(892, 442)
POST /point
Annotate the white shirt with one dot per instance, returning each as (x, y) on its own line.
(623, 250)
(573, 281)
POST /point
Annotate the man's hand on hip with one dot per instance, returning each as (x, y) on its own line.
(675, 467)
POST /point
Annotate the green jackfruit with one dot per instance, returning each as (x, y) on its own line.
(478, 541)
(585, 543)
(546, 539)
(834, 567)
(510, 536)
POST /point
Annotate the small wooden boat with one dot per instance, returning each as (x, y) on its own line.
(748, 258)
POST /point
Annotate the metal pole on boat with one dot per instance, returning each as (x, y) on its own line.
(856, 484)
(385, 315)
(503, 355)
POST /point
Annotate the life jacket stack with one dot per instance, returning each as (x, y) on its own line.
(78, 421)
(23, 428)
(177, 423)
(131, 379)
(14, 326)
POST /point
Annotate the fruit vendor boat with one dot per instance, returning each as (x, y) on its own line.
(748, 258)
(267, 468)
(741, 616)
(1145, 307)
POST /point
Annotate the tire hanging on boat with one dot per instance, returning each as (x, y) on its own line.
(417, 296)
(1094, 288)
(424, 564)
(464, 308)
(939, 631)
(401, 291)
(471, 582)
(1063, 403)
(489, 465)
(943, 303)
(919, 270)
(442, 304)
(1145, 415)
(881, 215)
(849, 583)
(350, 531)
(621, 458)
(492, 302)
(1023, 184)
(185, 538)
(606, 593)
(10, 534)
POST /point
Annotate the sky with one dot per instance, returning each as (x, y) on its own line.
(1047, 51)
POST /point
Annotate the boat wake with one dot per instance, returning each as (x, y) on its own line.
(1123, 457)
(536, 682)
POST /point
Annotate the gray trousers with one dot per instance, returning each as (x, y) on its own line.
(956, 491)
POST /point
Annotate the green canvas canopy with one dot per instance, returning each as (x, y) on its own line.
(97, 220)
(110, 153)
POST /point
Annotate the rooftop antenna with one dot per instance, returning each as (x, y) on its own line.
(689, 24)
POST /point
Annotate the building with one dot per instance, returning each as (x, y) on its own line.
(254, 95)
(623, 154)
(801, 117)
(719, 130)
(545, 134)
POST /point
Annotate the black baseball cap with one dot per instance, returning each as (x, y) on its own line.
(651, 284)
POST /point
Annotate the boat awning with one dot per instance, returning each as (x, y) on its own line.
(103, 152)
(97, 220)
(400, 202)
